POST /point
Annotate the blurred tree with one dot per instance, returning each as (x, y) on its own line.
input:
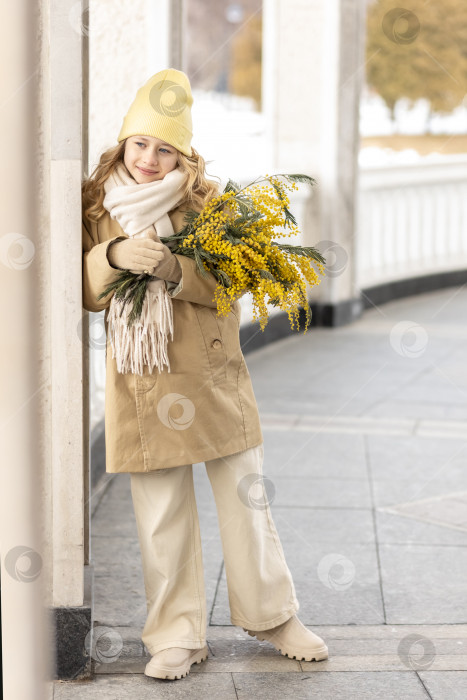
(223, 46)
(418, 51)
(207, 43)
(245, 74)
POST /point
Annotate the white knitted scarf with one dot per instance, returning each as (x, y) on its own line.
(138, 208)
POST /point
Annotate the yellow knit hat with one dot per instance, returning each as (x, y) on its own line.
(162, 108)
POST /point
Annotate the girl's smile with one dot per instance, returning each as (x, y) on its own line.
(148, 159)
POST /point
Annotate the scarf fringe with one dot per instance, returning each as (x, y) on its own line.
(137, 207)
(145, 342)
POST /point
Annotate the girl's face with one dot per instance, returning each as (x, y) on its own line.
(148, 159)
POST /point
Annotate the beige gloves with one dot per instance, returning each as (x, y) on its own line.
(140, 254)
(168, 268)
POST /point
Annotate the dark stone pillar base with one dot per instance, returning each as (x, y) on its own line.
(71, 626)
(382, 293)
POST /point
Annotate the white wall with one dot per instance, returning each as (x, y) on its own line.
(128, 42)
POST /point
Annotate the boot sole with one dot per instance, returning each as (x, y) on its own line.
(173, 674)
(319, 654)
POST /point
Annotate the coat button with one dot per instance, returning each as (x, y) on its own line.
(216, 343)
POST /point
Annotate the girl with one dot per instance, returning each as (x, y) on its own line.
(197, 405)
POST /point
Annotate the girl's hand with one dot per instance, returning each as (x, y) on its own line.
(137, 254)
(168, 268)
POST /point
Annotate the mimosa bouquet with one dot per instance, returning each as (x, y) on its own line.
(233, 238)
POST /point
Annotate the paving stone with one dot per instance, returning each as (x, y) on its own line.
(298, 491)
(436, 386)
(196, 686)
(389, 493)
(409, 469)
(448, 511)
(115, 551)
(115, 515)
(367, 378)
(313, 455)
(381, 662)
(457, 632)
(329, 405)
(450, 685)
(442, 429)
(99, 490)
(327, 686)
(417, 458)
(376, 371)
(114, 647)
(419, 409)
(337, 583)
(133, 666)
(314, 426)
(424, 584)
(322, 524)
(395, 528)
(119, 597)
(114, 651)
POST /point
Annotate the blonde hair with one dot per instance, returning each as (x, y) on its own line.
(198, 189)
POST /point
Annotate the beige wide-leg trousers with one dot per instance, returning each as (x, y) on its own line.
(260, 586)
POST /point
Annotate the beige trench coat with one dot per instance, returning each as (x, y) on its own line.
(204, 407)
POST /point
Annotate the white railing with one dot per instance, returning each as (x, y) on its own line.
(411, 220)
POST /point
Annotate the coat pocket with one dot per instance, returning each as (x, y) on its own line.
(213, 342)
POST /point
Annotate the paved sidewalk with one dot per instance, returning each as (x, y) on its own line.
(365, 433)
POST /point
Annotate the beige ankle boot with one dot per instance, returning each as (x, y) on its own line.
(175, 662)
(294, 640)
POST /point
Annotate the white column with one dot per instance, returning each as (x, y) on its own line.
(313, 67)
(24, 389)
(63, 318)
